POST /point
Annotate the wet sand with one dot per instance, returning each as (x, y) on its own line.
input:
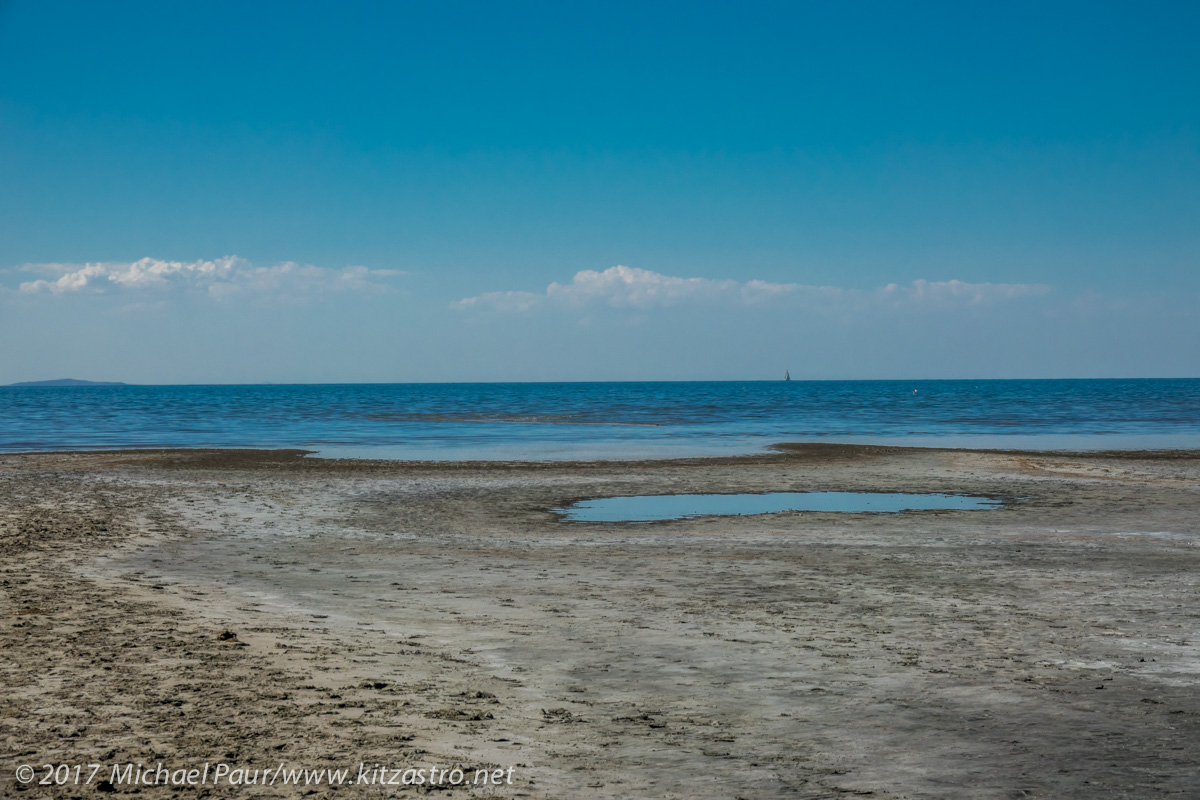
(442, 614)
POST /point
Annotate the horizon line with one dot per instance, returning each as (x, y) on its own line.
(57, 383)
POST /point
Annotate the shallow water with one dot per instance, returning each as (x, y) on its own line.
(655, 508)
(604, 420)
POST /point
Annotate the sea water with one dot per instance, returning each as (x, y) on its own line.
(605, 420)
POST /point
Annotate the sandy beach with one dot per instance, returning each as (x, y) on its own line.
(263, 608)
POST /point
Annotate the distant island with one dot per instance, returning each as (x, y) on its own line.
(69, 382)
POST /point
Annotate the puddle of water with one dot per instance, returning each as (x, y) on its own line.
(653, 508)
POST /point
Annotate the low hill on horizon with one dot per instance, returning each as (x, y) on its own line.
(68, 382)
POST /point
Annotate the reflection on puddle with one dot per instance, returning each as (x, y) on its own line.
(652, 508)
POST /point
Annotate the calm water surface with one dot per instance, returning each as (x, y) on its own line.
(598, 420)
(655, 508)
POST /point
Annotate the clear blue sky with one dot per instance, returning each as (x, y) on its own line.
(442, 190)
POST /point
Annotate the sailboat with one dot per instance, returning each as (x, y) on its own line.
(787, 376)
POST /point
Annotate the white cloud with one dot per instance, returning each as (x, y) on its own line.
(958, 293)
(629, 287)
(220, 278)
(500, 301)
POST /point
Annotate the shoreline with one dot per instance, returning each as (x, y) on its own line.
(775, 449)
(437, 612)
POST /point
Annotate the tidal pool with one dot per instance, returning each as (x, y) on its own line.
(653, 508)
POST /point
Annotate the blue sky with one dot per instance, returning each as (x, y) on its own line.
(243, 192)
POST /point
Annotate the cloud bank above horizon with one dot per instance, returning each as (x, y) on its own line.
(219, 278)
(634, 288)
